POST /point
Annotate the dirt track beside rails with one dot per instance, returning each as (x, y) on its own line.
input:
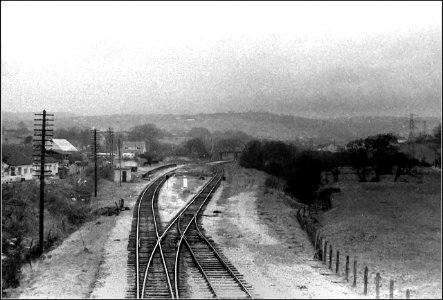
(260, 235)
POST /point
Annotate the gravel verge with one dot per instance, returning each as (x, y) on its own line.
(260, 235)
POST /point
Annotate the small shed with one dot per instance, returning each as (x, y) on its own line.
(129, 164)
(125, 174)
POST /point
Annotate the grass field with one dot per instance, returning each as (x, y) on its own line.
(393, 228)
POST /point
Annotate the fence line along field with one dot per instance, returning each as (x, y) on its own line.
(390, 227)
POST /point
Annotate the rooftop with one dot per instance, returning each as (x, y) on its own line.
(62, 146)
(129, 143)
(20, 155)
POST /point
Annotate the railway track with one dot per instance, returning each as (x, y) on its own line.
(221, 278)
(143, 236)
(157, 255)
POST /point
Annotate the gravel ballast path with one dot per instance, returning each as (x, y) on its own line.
(260, 235)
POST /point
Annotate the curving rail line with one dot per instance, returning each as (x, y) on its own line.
(221, 278)
(169, 237)
(143, 233)
(157, 250)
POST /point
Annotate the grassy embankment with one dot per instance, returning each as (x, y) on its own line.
(67, 206)
(393, 228)
(75, 262)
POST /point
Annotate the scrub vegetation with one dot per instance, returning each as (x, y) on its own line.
(67, 206)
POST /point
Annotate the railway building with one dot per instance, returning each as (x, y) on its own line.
(123, 173)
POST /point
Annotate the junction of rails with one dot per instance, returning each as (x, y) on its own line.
(157, 253)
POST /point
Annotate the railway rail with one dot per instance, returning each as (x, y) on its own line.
(157, 256)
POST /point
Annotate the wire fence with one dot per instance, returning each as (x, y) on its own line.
(342, 265)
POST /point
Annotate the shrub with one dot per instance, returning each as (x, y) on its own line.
(272, 182)
(75, 212)
(102, 172)
(106, 173)
(304, 177)
(11, 266)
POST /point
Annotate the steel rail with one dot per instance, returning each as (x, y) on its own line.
(159, 239)
(153, 251)
(221, 259)
(161, 250)
(200, 268)
(182, 237)
(137, 230)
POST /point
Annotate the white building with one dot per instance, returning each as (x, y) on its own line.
(128, 155)
(19, 167)
(133, 147)
(123, 173)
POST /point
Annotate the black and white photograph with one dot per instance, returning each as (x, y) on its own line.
(221, 149)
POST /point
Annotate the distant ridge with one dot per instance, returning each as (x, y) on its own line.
(258, 124)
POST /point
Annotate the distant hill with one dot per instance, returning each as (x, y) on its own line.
(10, 119)
(261, 125)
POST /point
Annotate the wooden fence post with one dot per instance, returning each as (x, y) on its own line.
(316, 241)
(391, 289)
(354, 284)
(365, 281)
(377, 285)
(408, 294)
(337, 262)
(347, 268)
(324, 252)
(117, 210)
(330, 257)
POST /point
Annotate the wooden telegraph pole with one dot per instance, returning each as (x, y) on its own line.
(94, 156)
(120, 161)
(95, 162)
(41, 133)
(111, 153)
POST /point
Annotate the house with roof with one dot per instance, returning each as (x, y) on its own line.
(61, 147)
(133, 147)
(17, 163)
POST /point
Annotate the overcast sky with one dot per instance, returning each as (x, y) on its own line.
(327, 59)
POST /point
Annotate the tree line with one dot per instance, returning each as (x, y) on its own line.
(302, 170)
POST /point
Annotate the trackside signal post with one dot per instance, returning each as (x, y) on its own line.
(41, 135)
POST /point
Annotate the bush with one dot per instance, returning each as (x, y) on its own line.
(304, 177)
(11, 266)
(76, 212)
(102, 172)
(272, 182)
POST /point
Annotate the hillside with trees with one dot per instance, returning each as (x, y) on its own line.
(256, 124)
